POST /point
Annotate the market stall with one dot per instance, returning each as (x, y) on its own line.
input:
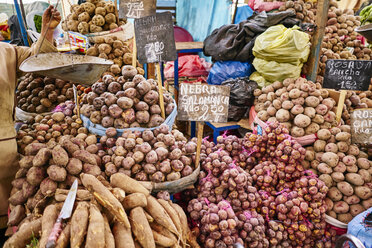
(103, 162)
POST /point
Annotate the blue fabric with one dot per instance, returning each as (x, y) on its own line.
(101, 131)
(201, 17)
(223, 70)
(359, 229)
(242, 13)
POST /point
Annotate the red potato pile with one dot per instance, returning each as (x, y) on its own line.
(128, 101)
(158, 156)
(115, 50)
(117, 213)
(344, 169)
(305, 11)
(246, 181)
(340, 40)
(301, 105)
(49, 128)
(38, 94)
(356, 100)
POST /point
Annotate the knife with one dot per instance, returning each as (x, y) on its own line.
(64, 214)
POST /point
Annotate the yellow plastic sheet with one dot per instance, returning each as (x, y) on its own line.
(273, 71)
(284, 45)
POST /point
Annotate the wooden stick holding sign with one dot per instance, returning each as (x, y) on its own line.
(160, 86)
(134, 53)
(77, 105)
(340, 106)
(199, 142)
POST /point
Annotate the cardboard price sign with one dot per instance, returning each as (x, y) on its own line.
(203, 102)
(136, 8)
(361, 126)
(348, 74)
(155, 38)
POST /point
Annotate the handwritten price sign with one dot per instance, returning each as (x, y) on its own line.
(136, 8)
(203, 102)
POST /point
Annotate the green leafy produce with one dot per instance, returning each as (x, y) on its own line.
(366, 15)
(38, 20)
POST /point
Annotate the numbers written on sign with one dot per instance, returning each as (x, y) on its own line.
(202, 102)
(361, 126)
(155, 38)
(347, 74)
(136, 8)
(154, 50)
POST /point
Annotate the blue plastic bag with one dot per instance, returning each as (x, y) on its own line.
(223, 70)
(360, 229)
(242, 13)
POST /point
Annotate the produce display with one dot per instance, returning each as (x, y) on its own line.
(128, 101)
(259, 189)
(115, 213)
(248, 182)
(340, 40)
(305, 11)
(38, 94)
(158, 156)
(116, 50)
(91, 17)
(303, 106)
(366, 15)
(50, 128)
(345, 170)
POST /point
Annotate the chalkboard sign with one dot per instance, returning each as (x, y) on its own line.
(348, 74)
(136, 8)
(203, 102)
(361, 126)
(155, 38)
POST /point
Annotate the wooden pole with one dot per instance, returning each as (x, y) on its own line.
(340, 105)
(235, 10)
(320, 21)
(134, 53)
(160, 86)
(199, 142)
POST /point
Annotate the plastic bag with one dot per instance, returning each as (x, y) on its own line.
(241, 97)
(284, 45)
(188, 66)
(255, 76)
(223, 70)
(273, 71)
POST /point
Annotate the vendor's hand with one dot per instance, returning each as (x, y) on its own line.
(49, 13)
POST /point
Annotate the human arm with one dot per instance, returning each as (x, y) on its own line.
(45, 44)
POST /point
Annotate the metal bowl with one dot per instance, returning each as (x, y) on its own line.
(366, 31)
(81, 69)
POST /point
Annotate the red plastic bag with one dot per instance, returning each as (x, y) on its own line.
(188, 66)
(260, 5)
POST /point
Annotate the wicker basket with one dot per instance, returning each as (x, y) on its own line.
(173, 186)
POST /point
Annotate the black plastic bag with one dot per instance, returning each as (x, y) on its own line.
(241, 96)
(235, 41)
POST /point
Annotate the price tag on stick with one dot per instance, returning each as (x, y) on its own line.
(155, 38)
(347, 74)
(136, 8)
(203, 102)
(361, 126)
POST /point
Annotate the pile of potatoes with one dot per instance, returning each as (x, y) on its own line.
(48, 166)
(158, 156)
(340, 40)
(108, 213)
(115, 50)
(126, 101)
(301, 105)
(48, 128)
(305, 11)
(345, 170)
(38, 94)
(91, 17)
(356, 100)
